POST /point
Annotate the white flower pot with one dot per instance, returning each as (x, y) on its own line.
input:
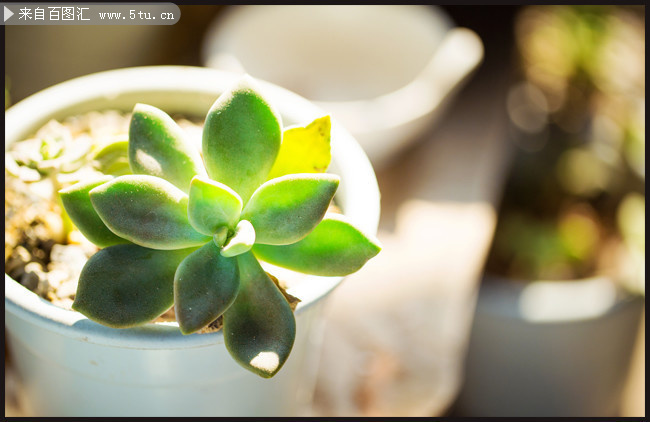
(550, 348)
(71, 366)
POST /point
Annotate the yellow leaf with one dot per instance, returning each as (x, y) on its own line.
(304, 149)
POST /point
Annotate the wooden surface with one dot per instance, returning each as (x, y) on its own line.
(397, 330)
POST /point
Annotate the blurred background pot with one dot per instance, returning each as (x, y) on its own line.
(386, 72)
(69, 365)
(550, 348)
(572, 212)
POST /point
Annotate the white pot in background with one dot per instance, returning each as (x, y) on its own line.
(385, 72)
(550, 348)
(71, 366)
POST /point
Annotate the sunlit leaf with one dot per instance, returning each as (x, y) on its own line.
(304, 149)
(157, 147)
(205, 285)
(334, 248)
(127, 285)
(242, 241)
(146, 210)
(212, 205)
(285, 209)
(113, 158)
(76, 201)
(241, 138)
(259, 327)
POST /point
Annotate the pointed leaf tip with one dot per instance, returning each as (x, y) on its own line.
(334, 248)
(157, 147)
(259, 327)
(241, 138)
(304, 149)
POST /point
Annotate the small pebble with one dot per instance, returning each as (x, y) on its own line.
(19, 258)
(57, 278)
(67, 289)
(32, 276)
(70, 258)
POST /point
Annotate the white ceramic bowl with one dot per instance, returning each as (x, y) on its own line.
(383, 71)
(71, 366)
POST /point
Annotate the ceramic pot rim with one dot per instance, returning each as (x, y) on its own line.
(401, 105)
(553, 301)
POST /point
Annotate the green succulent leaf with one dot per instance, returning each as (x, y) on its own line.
(220, 236)
(127, 285)
(212, 205)
(286, 209)
(113, 158)
(334, 248)
(241, 138)
(304, 149)
(241, 241)
(205, 285)
(259, 327)
(157, 147)
(76, 201)
(146, 210)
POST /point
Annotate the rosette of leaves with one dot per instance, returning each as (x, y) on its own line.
(187, 231)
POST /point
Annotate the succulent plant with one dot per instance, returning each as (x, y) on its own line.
(187, 231)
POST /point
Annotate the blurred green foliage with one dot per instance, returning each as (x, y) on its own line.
(574, 202)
